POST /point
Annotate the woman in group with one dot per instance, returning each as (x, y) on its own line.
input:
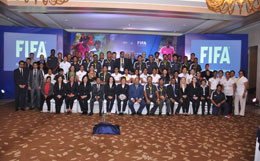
(241, 93)
(71, 72)
(84, 94)
(59, 93)
(46, 93)
(71, 93)
(110, 92)
(127, 76)
(144, 76)
(136, 74)
(51, 75)
(204, 96)
(117, 76)
(176, 77)
(185, 74)
(122, 95)
(194, 94)
(92, 74)
(183, 95)
(165, 76)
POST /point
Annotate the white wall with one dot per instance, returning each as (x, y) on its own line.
(253, 32)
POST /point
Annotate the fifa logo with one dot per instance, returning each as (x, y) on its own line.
(215, 55)
(25, 47)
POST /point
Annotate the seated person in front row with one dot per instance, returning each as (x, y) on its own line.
(71, 93)
(173, 96)
(110, 92)
(136, 95)
(205, 97)
(150, 94)
(59, 93)
(122, 93)
(218, 100)
(97, 95)
(161, 97)
(183, 97)
(84, 94)
(46, 93)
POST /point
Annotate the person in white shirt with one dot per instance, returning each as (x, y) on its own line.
(191, 75)
(213, 82)
(117, 76)
(221, 76)
(65, 65)
(228, 89)
(241, 94)
(185, 74)
(232, 75)
(144, 76)
(51, 75)
(155, 77)
(127, 76)
(80, 74)
(136, 74)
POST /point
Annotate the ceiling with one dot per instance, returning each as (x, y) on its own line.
(168, 17)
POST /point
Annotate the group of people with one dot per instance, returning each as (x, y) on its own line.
(127, 80)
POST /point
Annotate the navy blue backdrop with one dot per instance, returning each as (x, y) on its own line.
(64, 40)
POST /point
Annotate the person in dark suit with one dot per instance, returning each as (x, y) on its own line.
(122, 93)
(122, 62)
(136, 95)
(34, 86)
(71, 93)
(59, 93)
(150, 94)
(28, 64)
(194, 95)
(173, 91)
(110, 92)
(84, 94)
(183, 97)
(43, 62)
(97, 95)
(21, 82)
(204, 92)
(132, 61)
(46, 93)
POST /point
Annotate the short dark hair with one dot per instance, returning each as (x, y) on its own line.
(219, 85)
(21, 61)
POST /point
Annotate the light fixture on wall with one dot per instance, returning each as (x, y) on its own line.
(52, 2)
(224, 6)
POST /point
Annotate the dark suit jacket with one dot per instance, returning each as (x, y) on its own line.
(99, 93)
(131, 62)
(121, 90)
(185, 92)
(50, 89)
(110, 91)
(84, 90)
(37, 81)
(136, 93)
(61, 91)
(72, 89)
(206, 91)
(194, 91)
(126, 63)
(173, 94)
(21, 79)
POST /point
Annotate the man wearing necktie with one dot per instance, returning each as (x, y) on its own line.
(173, 95)
(97, 95)
(34, 86)
(21, 82)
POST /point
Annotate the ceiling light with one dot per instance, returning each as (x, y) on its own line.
(224, 6)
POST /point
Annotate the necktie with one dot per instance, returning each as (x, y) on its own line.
(22, 72)
(173, 87)
(136, 87)
(34, 73)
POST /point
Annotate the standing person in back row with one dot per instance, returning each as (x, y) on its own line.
(20, 81)
(241, 93)
(52, 62)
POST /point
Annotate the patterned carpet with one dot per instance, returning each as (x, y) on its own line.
(30, 135)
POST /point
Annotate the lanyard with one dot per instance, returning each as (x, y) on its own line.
(140, 66)
(151, 91)
(104, 76)
(161, 89)
(164, 62)
(95, 64)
